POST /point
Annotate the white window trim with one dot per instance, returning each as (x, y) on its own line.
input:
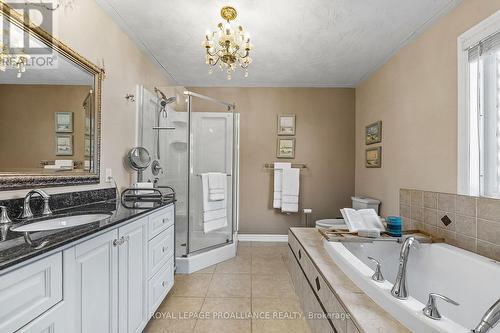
(469, 38)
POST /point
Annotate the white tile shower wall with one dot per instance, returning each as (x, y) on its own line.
(475, 222)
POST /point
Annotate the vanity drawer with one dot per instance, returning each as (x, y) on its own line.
(29, 291)
(161, 248)
(161, 220)
(160, 284)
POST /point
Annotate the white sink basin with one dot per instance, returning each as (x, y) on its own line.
(61, 222)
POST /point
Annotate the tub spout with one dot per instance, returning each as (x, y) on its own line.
(400, 290)
(490, 319)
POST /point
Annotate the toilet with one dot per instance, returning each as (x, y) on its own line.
(357, 203)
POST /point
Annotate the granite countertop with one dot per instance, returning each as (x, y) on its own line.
(14, 249)
(366, 314)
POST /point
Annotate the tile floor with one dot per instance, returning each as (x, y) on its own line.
(252, 292)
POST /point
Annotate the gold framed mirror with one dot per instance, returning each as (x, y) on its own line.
(50, 106)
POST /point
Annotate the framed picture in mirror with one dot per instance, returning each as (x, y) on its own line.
(64, 122)
(64, 145)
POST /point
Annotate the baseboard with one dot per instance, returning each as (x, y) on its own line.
(262, 238)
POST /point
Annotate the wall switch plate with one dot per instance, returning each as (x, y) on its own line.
(109, 175)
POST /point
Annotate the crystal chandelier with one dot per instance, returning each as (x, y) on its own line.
(17, 61)
(227, 47)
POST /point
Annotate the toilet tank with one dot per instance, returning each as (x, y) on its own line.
(365, 203)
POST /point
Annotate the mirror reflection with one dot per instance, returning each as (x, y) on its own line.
(47, 114)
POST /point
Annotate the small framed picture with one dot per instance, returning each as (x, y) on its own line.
(374, 157)
(64, 144)
(286, 124)
(373, 133)
(64, 122)
(286, 148)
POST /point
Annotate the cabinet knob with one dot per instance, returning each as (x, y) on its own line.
(163, 284)
(163, 249)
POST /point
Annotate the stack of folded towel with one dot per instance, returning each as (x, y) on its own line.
(286, 187)
(214, 186)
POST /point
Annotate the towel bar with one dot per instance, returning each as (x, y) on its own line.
(228, 174)
(294, 165)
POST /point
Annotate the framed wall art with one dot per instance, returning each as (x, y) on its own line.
(373, 133)
(64, 144)
(64, 122)
(286, 124)
(286, 148)
(373, 157)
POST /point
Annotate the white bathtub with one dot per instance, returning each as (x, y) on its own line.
(470, 279)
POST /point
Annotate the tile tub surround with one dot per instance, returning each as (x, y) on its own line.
(255, 281)
(475, 222)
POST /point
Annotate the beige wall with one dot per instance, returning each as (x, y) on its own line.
(324, 141)
(93, 34)
(415, 95)
(28, 123)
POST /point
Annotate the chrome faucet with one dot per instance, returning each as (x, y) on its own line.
(489, 320)
(399, 290)
(27, 214)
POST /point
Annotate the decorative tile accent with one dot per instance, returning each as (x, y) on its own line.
(474, 222)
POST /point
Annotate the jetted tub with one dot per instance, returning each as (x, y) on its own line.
(468, 278)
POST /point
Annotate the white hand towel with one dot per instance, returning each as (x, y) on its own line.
(278, 175)
(217, 186)
(290, 190)
(214, 212)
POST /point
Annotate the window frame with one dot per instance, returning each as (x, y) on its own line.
(471, 37)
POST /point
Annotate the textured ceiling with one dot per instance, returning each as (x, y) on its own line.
(307, 43)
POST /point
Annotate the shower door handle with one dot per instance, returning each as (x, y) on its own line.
(163, 128)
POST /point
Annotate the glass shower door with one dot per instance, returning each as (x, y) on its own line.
(211, 150)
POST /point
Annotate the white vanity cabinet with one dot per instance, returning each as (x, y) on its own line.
(109, 283)
(92, 273)
(132, 275)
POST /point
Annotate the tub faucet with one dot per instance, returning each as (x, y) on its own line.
(399, 290)
(489, 320)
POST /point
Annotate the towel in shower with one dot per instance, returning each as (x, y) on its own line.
(214, 212)
(278, 175)
(290, 190)
(216, 186)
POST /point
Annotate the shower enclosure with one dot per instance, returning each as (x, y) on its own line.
(196, 134)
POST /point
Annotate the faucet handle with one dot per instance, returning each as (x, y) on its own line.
(4, 215)
(377, 276)
(431, 309)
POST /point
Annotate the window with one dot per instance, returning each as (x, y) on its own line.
(479, 110)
